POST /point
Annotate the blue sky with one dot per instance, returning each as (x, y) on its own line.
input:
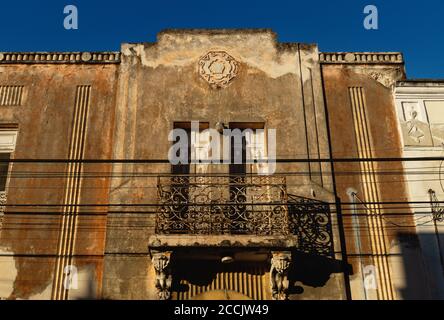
(415, 28)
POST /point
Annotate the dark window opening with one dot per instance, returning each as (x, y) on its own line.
(4, 166)
(180, 181)
(238, 171)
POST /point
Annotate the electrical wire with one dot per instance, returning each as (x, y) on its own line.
(382, 216)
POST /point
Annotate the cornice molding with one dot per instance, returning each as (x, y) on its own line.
(59, 57)
(361, 58)
(114, 57)
(416, 91)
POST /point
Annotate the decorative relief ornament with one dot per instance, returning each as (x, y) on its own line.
(86, 56)
(280, 264)
(385, 76)
(218, 68)
(164, 279)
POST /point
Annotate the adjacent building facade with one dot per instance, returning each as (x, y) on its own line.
(419, 105)
(93, 207)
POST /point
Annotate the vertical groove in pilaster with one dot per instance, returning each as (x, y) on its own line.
(304, 111)
(11, 95)
(319, 179)
(248, 280)
(68, 226)
(371, 194)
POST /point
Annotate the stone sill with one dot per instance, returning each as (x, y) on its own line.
(221, 241)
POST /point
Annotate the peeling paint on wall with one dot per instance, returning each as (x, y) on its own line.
(182, 49)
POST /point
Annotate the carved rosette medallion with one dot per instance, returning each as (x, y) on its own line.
(218, 68)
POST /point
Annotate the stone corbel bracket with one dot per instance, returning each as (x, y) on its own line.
(280, 265)
(162, 266)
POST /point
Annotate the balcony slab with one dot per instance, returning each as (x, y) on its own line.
(221, 241)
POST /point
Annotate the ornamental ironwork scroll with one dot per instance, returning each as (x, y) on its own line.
(310, 221)
(256, 205)
(2, 207)
(222, 205)
(437, 208)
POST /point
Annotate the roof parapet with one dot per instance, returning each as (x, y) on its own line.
(361, 58)
(59, 57)
(114, 57)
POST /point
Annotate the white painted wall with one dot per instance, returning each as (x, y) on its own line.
(426, 99)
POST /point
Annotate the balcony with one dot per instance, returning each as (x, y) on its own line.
(2, 200)
(222, 205)
(2, 206)
(242, 218)
(229, 207)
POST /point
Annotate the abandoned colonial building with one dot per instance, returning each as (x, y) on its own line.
(93, 207)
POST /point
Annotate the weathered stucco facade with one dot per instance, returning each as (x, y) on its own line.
(116, 227)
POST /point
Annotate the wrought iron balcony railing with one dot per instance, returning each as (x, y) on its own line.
(222, 205)
(250, 205)
(2, 199)
(310, 220)
(2, 206)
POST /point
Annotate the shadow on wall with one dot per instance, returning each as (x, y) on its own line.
(314, 270)
(308, 269)
(422, 263)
